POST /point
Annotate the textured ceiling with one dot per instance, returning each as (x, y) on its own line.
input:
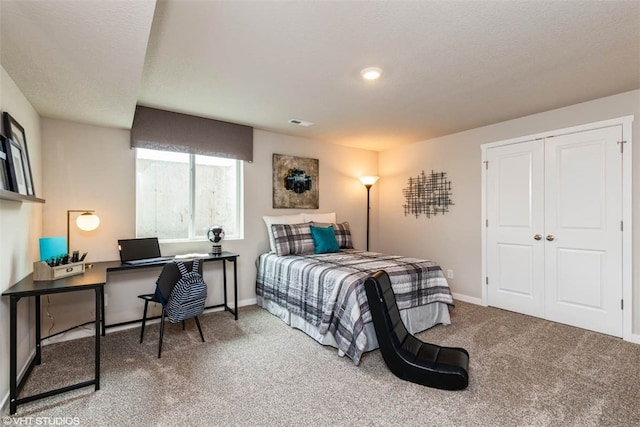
(448, 66)
(77, 60)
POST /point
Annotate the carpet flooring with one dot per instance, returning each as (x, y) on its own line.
(257, 371)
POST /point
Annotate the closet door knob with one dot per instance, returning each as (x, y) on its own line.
(537, 237)
(550, 237)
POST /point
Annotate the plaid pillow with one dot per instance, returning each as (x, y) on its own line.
(293, 239)
(343, 234)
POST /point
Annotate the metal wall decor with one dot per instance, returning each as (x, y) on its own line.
(427, 194)
(295, 182)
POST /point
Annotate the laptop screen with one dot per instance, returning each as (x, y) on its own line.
(134, 249)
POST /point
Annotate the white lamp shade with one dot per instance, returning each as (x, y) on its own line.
(369, 180)
(88, 221)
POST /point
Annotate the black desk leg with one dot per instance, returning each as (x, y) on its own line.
(235, 286)
(13, 381)
(102, 311)
(224, 284)
(38, 358)
(99, 317)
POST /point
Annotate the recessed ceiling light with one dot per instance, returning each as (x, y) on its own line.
(371, 73)
(300, 122)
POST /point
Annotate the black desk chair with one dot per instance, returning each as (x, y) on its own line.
(169, 277)
(406, 356)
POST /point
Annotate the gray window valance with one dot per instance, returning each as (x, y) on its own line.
(165, 130)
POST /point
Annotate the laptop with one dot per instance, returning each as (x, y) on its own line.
(140, 251)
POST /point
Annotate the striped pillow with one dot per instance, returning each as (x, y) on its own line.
(343, 233)
(293, 239)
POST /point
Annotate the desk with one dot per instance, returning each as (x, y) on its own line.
(224, 257)
(94, 278)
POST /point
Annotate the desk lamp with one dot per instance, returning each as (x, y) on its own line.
(87, 221)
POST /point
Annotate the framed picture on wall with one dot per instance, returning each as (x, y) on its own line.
(5, 184)
(295, 182)
(15, 167)
(18, 144)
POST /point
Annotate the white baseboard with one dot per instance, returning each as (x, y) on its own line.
(635, 338)
(466, 298)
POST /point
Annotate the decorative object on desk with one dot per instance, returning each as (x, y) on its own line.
(55, 262)
(5, 184)
(368, 182)
(87, 221)
(295, 182)
(44, 271)
(215, 236)
(427, 194)
(51, 247)
(19, 156)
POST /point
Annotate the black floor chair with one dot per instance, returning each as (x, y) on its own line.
(405, 355)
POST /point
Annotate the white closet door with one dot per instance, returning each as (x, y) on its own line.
(515, 212)
(583, 239)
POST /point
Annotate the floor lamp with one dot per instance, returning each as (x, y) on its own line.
(87, 221)
(368, 182)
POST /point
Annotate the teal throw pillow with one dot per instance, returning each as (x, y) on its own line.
(324, 239)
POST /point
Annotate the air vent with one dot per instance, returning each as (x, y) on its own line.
(300, 123)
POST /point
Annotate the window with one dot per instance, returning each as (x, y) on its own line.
(179, 195)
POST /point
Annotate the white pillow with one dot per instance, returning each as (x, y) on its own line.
(320, 217)
(280, 219)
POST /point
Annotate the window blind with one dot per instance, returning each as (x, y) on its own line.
(165, 130)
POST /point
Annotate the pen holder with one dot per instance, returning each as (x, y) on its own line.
(42, 271)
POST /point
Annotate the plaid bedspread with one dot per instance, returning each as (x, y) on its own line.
(327, 290)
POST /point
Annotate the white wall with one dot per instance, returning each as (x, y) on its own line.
(454, 239)
(91, 167)
(20, 228)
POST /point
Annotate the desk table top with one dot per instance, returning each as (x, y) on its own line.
(95, 275)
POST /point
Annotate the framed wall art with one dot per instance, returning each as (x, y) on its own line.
(295, 182)
(5, 184)
(19, 156)
(15, 167)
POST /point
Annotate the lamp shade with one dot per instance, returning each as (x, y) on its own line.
(369, 180)
(88, 221)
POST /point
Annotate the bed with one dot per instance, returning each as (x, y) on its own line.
(323, 294)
